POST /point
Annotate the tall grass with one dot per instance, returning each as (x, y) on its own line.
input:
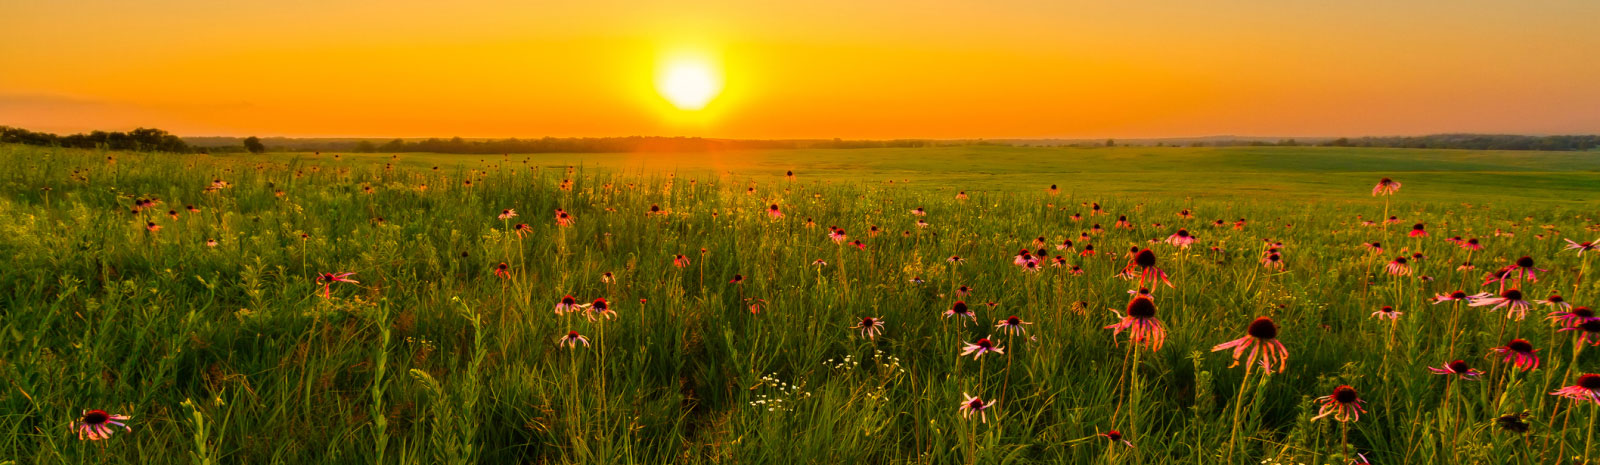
(100, 312)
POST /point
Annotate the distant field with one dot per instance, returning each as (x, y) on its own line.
(1201, 172)
(201, 296)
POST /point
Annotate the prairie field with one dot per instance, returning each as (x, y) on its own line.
(206, 299)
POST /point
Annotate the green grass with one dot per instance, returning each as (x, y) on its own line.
(230, 354)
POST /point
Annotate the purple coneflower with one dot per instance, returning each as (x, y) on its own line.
(600, 307)
(1459, 368)
(974, 405)
(869, 326)
(1387, 312)
(1400, 266)
(1510, 299)
(1116, 437)
(507, 214)
(1418, 230)
(1555, 301)
(568, 303)
(1587, 388)
(1013, 325)
(1181, 238)
(572, 339)
(95, 425)
(1571, 317)
(1581, 247)
(1343, 405)
(982, 346)
(960, 310)
(1520, 353)
(1141, 323)
(1386, 186)
(327, 280)
(1588, 331)
(1261, 339)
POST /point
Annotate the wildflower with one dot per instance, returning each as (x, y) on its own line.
(1520, 353)
(522, 229)
(1588, 331)
(1417, 230)
(1181, 238)
(963, 291)
(327, 280)
(1386, 186)
(1587, 388)
(501, 271)
(1088, 251)
(1387, 312)
(955, 259)
(1022, 258)
(1571, 317)
(1374, 246)
(1261, 339)
(1470, 244)
(1458, 368)
(1523, 269)
(1510, 299)
(869, 327)
(918, 211)
(1555, 301)
(1115, 437)
(600, 307)
(1581, 247)
(982, 346)
(773, 212)
(1343, 404)
(1273, 261)
(95, 425)
(819, 263)
(1457, 296)
(1141, 323)
(836, 234)
(1145, 261)
(1013, 325)
(507, 214)
(563, 218)
(961, 195)
(960, 310)
(572, 339)
(607, 278)
(211, 242)
(680, 261)
(152, 226)
(975, 405)
(568, 303)
(1400, 266)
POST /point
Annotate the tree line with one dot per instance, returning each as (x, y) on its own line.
(156, 140)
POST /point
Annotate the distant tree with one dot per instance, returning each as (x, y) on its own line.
(365, 146)
(253, 144)
(1111, 142)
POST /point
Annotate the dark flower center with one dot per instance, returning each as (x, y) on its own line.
(1013, 321)
(1345, 395)
(1400, 260)
(1590, 326)
(1417, 227)
(1520, 345)
(1459, 366)
(572, 334)
(1141, 307)
(1386, 309)
(1458, 295)
(1263, 328)
(600, 304)
(960, 308)
(1114, 435)
(568, 300)
(868, 322)
(984, 343)
(1590, 382)
(1376, 245)
(1385, 181)
(774, 207)
(1525, 262)
(96, 417)
(1183, 233)
(1512, 294)
(1145, 258)
(1473, 241)
(976, 404)
(1555, 299)
(1583, 312)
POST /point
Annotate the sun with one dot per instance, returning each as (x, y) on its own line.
(689, 84)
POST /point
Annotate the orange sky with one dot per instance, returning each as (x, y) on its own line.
(813, 69)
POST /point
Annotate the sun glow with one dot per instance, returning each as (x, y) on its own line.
(689, 83)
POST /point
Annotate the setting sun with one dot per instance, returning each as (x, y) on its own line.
(689, 84)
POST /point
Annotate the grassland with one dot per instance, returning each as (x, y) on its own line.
(232, 353)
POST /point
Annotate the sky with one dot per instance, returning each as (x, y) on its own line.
(854, 69)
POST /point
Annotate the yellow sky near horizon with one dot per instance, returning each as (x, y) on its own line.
(820, 69)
